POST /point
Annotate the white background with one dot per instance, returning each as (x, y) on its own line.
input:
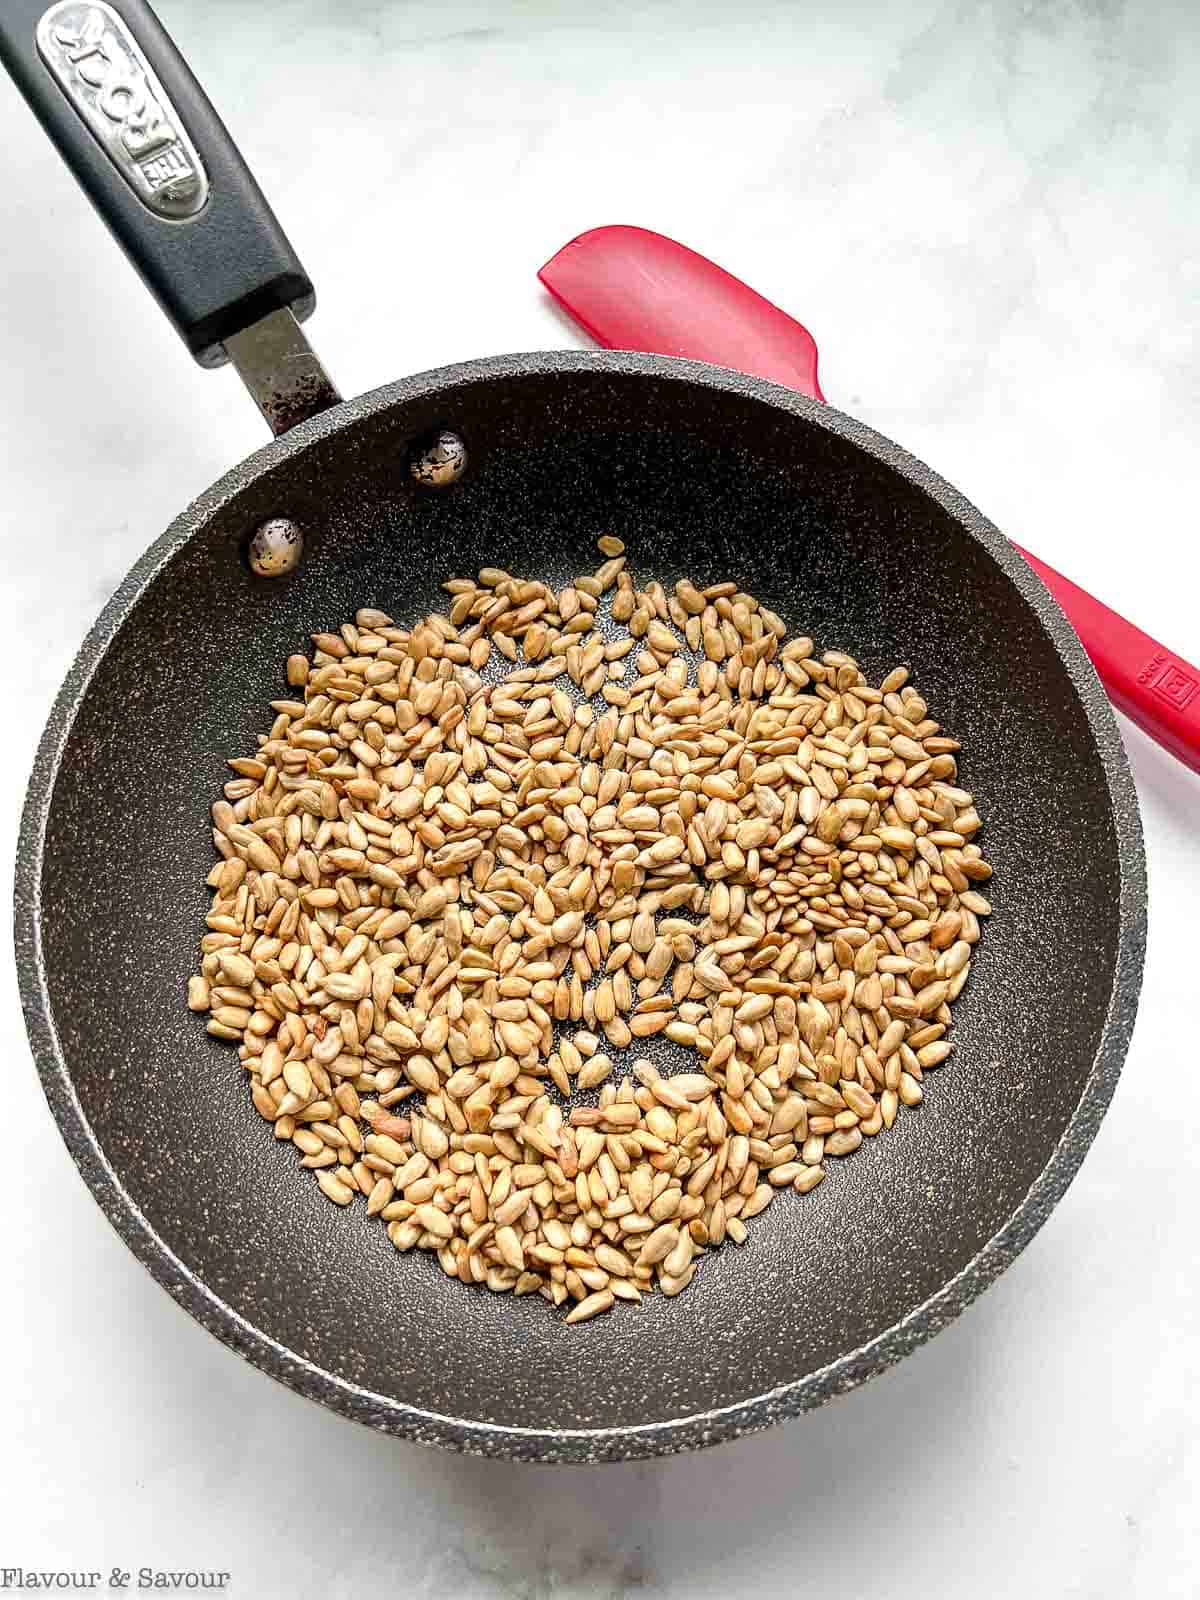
(987, 215)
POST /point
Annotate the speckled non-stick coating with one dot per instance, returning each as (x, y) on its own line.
(699, 471)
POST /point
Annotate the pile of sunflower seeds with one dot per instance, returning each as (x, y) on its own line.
(444, 904)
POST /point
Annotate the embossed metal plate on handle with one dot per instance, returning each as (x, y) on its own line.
(101, 69)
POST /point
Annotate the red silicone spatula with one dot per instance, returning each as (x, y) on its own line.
(632, 289)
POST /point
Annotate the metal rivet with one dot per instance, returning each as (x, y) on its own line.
(276, 547)
(440, 462)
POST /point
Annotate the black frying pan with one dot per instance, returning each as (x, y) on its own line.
(702, 472)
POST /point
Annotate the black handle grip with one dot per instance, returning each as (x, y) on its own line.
(139, 133)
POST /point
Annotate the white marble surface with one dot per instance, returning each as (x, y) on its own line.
(987, 215)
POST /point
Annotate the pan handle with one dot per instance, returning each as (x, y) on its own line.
(140, 135)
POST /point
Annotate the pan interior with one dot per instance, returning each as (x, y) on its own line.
(698, 480)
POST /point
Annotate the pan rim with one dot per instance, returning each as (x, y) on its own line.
(625, 1441)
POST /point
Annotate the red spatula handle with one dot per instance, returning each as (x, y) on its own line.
(1153, 686)
(636, 290)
